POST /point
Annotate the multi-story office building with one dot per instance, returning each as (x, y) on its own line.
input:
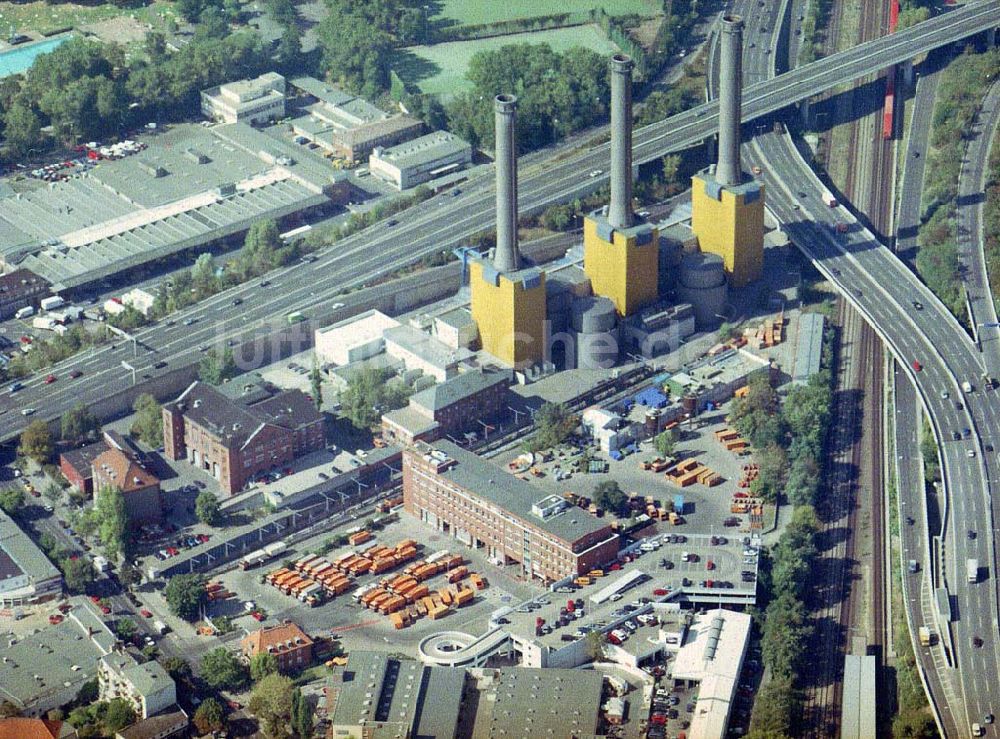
(484, 506)
(246, 101)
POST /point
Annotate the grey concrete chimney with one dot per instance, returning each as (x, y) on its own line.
(728, 172)
(506, 257)
(620, 212)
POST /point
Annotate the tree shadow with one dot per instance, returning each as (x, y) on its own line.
(413, 69)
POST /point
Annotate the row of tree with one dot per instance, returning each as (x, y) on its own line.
(959, 97)
(89, 90)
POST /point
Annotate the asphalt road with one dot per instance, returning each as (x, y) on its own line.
(441, 223)
(884, 290)
(969, 225)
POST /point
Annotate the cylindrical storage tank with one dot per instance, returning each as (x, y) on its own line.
(593, 315)
(703, 285)
(689, 403)
(597, 350)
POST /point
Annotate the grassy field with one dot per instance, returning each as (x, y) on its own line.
(440, 69)
(477, 12)
(43, 18)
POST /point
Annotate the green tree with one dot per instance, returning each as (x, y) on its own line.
(271, 703)
(36, 442)
(77, 573)
(209, 717)
(260, 247)
(776, 709)
(223, 670)
(78, 422)
(185, 595)
(216, 368)
(177, 667)
(129, 575)
(316, 383)
(118, 714)
(112, 522)
(369, 394)
(203, 275)
(206, 508)
(671, 168)
(148, 422)
(609, 496)
(126, 629)
(595, 645)
(11, 500)
(262, 665)
(22, 128)
(666, 443)
(302, 715)
(553, 424)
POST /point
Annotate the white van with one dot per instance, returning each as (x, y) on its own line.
(685, 557)
(25, 312)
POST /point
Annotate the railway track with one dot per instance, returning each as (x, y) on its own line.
(856, 501)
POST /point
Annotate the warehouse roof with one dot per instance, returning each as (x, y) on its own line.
(192, 185)
(552, 702)
(39, 666)
(19, 555)
(809, 346)
(513, 494)
(456, 389)
(424, 149)
(414, 421)
(371, 132)
(396, 697)
(424, 346)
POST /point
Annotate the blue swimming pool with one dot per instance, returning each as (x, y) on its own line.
(18, 59)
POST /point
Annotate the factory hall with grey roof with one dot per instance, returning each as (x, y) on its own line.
(189, 187)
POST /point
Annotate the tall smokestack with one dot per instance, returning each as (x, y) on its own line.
(506, 257)
(620, 210)
(728, 171)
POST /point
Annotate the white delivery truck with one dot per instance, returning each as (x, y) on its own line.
(160, 627)
(972, 570)
(52, 302)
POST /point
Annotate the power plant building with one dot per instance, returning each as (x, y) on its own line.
(621, 252)
(727, 205)
(508, 299)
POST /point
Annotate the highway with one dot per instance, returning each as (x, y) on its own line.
(969, 216)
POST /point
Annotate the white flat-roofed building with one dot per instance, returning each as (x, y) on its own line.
(712, 656)
(419, 350)
(246, 101)
(354, 339)
(26, 574)
(139, 299)
(147, 686)
(421, 159)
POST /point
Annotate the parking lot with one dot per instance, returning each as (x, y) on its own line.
(369, 629)
(707, 508)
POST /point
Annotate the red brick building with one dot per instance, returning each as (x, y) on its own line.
(485, 507)
(76, 465)
(234, 439)
(20, 289)
(290, 645)
(119, 469)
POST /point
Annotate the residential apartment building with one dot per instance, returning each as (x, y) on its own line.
(234, 439)
(290, 645)
(484, 506)
(450, 408)
(246, 101)
(77, 465)
(121, 469)
(20, 289)
(147, 686)
(163, 726)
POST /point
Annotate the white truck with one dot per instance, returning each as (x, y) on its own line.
(160, 627)
(829, 200)
(42, 323)
(25, 312)
(966, 386)
(972, 570)
(52, 302)
(101, 564)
